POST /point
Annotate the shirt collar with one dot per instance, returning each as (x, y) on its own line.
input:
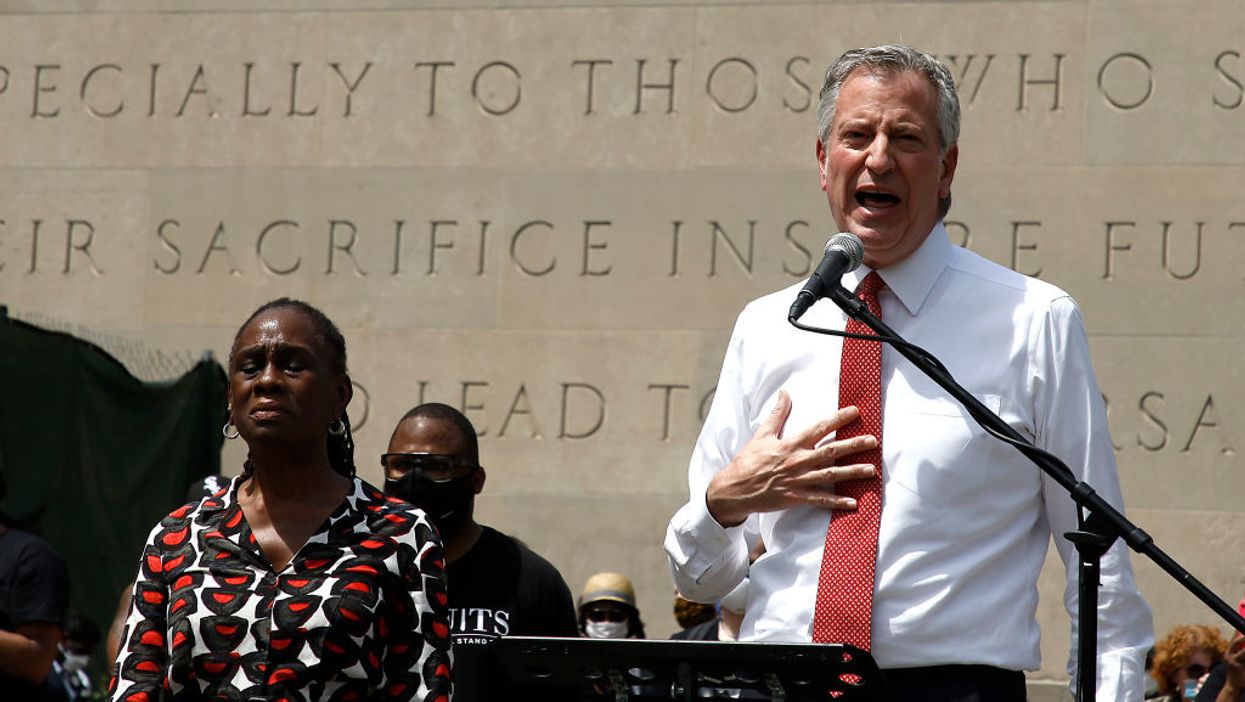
(912, 278)
(225, 500)
(222, 500)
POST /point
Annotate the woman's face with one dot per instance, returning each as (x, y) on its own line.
(606, 619)
(282, 388)
(1193, 669)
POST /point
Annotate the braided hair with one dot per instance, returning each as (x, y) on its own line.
(328, 337)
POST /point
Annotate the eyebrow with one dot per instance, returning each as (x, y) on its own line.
(278, 345)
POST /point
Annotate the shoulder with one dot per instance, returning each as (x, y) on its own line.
(762, 324)
(533, 566)
(991, 280)
(174, 530)
(529, 557)
(25, 550)
(389, 517)
(770, 307)
(21, 541)
(202, 510)
(388, 526)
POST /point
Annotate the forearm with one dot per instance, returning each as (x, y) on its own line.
(29, 657)
(1229, 693)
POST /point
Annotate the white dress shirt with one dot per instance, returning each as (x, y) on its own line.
(966, 519)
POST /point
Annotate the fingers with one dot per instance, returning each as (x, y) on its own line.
(822, 429)
(832, 451)
(777, 419)
(831, 501)
(817, 487)
(827, 477)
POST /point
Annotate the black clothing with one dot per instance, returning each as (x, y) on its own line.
(68, 687)
(955, 683)
(1214, 683)
(501, 588)
(34, 588)
(704, 631)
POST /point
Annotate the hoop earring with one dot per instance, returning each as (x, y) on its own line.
(225, 430)
(337, 427)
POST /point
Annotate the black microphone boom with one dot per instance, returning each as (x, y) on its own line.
(844, 254)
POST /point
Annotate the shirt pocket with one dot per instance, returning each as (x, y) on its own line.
(942, 455)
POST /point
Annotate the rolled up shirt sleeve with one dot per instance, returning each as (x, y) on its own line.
(1072, 425)
(707, 559)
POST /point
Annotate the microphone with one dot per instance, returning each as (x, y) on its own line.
(844, 253)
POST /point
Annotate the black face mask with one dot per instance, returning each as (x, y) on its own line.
(446, 502)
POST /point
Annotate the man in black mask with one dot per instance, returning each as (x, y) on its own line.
(497, 586)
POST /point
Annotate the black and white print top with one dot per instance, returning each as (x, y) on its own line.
(359, 613)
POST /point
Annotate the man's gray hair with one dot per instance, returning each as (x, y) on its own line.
(893, 59)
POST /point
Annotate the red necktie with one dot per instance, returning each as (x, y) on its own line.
(845, 587)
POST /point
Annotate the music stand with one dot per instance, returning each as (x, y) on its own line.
(630, 670)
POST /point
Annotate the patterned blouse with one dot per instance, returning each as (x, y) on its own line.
(359, 613)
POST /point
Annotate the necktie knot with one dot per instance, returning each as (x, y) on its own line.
(867, 292)
(870, 286)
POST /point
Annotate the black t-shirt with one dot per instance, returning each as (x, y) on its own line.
(34, 588)
(501, 588)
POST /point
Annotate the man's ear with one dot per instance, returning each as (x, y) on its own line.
(821, 164)
(949, 161)
(477, 482)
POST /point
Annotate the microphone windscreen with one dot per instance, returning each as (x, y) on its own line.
(849, 245)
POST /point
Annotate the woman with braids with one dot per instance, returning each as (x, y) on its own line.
(298, 581)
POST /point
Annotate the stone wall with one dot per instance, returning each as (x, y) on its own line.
(549, 213)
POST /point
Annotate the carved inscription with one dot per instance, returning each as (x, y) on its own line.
(1181, 248)
(65, 246)
(462, 247)
(361, 87)
(505, 409)
(674, 410)
(1155, 427)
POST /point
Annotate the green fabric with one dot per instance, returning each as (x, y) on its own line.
(92, 457)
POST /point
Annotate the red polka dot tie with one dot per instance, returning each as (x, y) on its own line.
(845, 587)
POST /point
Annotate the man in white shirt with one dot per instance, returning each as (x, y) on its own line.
(965, 519)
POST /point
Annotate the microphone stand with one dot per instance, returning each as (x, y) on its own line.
(1100, 523)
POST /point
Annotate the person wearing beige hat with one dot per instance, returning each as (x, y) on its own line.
(607, 608)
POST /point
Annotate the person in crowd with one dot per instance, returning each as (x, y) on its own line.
(71, 678)
(690, 614)
(498, 586)
(728, 611)
(728, 616)
(300, 581)
(897, 543)
(1226, 682)
(34, 593)
(607, 608)
(1183, 658)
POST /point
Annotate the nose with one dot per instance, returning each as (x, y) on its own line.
(269, 376)
(878, 157)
